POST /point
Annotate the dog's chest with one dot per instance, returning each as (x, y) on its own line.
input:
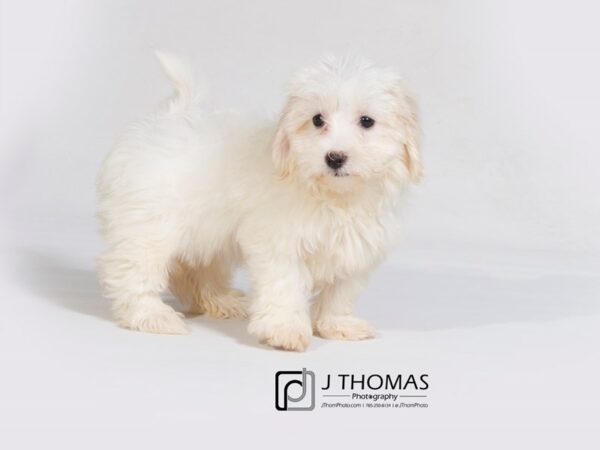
(347, 244)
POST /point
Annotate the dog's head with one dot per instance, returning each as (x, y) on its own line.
(346, 123)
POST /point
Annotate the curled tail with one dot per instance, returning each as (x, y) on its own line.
(180, 74)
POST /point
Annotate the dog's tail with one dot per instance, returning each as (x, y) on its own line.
(181, 75)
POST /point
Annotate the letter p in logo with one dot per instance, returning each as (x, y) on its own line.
(295, 390)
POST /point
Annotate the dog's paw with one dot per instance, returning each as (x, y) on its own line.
(344, 328)
(231, 305)
(163, 320)
(293, 334)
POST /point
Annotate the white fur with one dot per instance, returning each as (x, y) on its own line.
(187, 195)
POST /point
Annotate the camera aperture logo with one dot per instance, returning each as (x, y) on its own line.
(295, 390)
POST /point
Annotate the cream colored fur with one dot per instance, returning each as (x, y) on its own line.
(187, 195)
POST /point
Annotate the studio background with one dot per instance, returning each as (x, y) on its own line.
(494, 291)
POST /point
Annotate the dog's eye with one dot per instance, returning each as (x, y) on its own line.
(366, 122)
(318, 121)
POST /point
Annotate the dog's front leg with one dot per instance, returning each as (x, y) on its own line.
(279, 310)
(333, 311)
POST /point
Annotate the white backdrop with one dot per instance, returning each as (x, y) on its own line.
(509, 97)
(508, 93)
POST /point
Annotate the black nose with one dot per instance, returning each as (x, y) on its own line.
(335, 160)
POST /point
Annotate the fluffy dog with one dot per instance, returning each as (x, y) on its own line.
(309, 205)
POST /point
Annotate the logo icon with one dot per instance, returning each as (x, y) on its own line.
(295, 390)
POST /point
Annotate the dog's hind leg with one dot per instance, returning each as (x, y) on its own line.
(133, 276)
(207, 289)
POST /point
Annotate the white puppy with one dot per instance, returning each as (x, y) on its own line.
(308, 205)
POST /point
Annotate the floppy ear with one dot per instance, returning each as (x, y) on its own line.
(412, 132)
(280, 151)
